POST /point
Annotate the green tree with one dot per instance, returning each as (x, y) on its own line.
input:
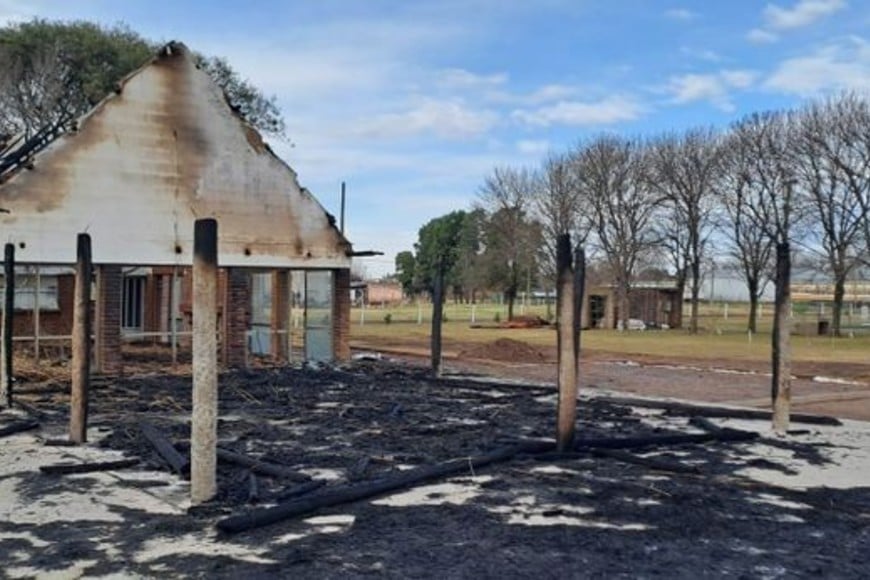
(406, 272)
(438, 248)
(470, 275)
(53, 72)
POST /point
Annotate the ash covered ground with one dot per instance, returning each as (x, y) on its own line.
(540, 516)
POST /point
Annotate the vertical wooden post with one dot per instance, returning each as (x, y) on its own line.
(37, 307)
(566, 345)
(81, 342)
(579, 296)
(781, 347)
(173, 311)
(6, 370)
(437, 317)
(203, 437)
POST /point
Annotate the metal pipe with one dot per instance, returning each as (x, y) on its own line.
(343, 200)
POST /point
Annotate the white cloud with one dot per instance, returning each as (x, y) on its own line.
(533, 147)
(701, 54)
(835, 67)
(615, 109)
(680, 14)
(461, 79)
(539, 96)
(450, 119)
(714, 87)
(801, 14)
(761, 36)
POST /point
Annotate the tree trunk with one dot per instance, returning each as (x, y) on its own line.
(622, 292)
(696, 292)
(837, 310)
(681, 291)
(781, 347)
(752, 325)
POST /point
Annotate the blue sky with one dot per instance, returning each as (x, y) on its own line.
(412, 103)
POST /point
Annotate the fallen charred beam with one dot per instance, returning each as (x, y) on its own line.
(348, 494)
(18, 427)
(253, 488)
(59, 443)
(705, 424)
(260, 467)
(725, 435)
(178, 462)
(687, 409)
(300, 489)
(68, 469)
(653, 463)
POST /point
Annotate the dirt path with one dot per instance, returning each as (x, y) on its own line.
(840, 390)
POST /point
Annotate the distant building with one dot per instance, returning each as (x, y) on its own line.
(373, 293)
(656, 304)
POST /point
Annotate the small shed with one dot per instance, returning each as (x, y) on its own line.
(162, 151)
(656, 304)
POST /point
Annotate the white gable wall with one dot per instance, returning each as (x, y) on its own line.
(148, 162)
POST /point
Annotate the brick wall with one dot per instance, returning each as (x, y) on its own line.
(51, 322)
(107, 322)
(341, 314)
(236, 320)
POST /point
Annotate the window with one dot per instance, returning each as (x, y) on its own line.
(132, 302)
(25, 292)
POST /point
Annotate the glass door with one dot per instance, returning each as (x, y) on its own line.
(318, 315)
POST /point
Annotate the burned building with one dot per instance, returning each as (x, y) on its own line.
(162, 151)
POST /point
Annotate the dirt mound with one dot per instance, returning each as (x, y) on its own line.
(525, 322)
(505, 349)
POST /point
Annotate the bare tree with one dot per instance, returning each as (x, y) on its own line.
(774, 206)
(612, 173)
(559, 204)
(833, 169)
(683, 170)
(511, 238)
(749, 244)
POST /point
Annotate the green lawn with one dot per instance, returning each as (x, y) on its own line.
(720, 337)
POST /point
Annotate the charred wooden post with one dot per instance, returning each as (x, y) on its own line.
(566, 345)
(6, 370)
(203, 437)
(37, 307)
(781, 347)
(81, 342)
(173, 310)
(437, 317)
(579, 295)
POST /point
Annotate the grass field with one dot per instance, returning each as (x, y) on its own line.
(723, 333)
